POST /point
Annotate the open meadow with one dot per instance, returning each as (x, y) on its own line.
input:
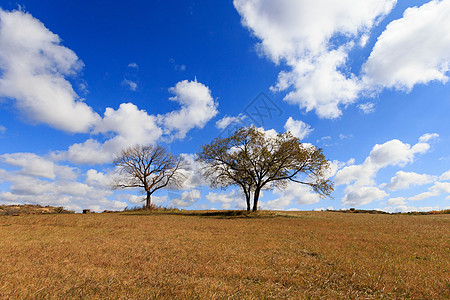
(199, 255)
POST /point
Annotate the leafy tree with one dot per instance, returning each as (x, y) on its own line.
(255, 160)
(148, 167)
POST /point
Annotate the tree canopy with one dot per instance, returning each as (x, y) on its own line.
(255, 160)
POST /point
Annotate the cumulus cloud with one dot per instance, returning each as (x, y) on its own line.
(412, 50)
(396, 201)
(226, 121)
(403, 180)
(34, 165)
(294, 193)
(428, 137)
(197, 108)
(99, 179)
(34, 66)
(361, 178)
(129, 125)
(437, 189)
(90, 152)
(192, 173)
(445, 176)
(298, 128)
(394, 152)
(186, 199)
(357, 195)
(313, 41)
(300, 34)
(33, 70)
(58, 191)
(31, 164)
(319, 85)
(227, 200)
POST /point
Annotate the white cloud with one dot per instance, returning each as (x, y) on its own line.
(130, 84)
(313, 40)
(423, 196)
(298, 128)
(33, 70)
(197, 108)
(442, 187)
(291, 28)
(396, 201)
(89, 152)
(357, 196)
(406, 208)
(133, 65)
(300, 34)
(361, 178)
(445, 176)
(60, 191)
(294, 192)
(226, 121)
(363, 174)
(227, 200)
(403, 180)
(367, 107)
(140, 200)
(395, 153)
(428, 137)
(37, 166)
(33, 66)
(363, 41)
(412, 50)
(31, 164)
(437, 189)
(2, 129)
(319, 85)
(129, 125)
(335, 166)
(98, 179)
(191, 172)
(186, 199)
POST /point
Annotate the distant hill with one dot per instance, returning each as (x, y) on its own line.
(28, 209)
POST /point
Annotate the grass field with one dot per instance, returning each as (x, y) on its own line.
(319, 255)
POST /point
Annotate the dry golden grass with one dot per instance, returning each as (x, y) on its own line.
(320, 255)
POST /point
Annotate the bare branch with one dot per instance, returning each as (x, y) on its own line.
(148, 167)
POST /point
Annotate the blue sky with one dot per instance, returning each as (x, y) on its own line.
(365, 80)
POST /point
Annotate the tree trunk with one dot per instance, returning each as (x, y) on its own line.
(247, 198)
(148, 201)
(255, 199)
(247, 194)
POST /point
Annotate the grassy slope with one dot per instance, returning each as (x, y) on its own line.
(304, 254)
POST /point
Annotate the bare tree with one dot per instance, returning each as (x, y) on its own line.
(148, 167)
(255, 161)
